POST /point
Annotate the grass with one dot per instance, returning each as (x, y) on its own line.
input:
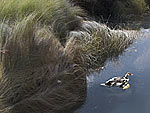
(33, 63)
(39, 73)
(147, 2)
(129, 9)
(113, 10)
(35, 60)
(59, 14)
(99, 43)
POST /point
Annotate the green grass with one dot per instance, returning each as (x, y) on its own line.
(113, 10)
(129, 8)
(147, 2)
(34, 57)
(99, 43)
(60, 15)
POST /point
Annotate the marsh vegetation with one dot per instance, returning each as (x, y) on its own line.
(113, 10)
(47, 47)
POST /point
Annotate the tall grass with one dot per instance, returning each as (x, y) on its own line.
(129, 9)
(37, 75)
(112, 10)
(147, 2)
(58, 13)
(99, 43)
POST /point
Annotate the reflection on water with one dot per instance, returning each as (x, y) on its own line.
(136, 99)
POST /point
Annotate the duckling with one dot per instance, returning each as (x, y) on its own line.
(118, 81)
(126, 86)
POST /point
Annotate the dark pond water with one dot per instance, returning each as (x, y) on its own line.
(136, 99)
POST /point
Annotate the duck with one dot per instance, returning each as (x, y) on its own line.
(121, 82)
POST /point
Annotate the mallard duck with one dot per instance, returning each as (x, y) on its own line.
(119, 81)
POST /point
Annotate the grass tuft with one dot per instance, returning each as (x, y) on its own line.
(99, 43)
(60, 15)
(37, 75)
(113, 10)
(40, 73)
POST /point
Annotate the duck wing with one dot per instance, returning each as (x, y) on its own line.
(115, 81)
(120, 81)
(112, 81)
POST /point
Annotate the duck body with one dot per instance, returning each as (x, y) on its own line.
(118, 81)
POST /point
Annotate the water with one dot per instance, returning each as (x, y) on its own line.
(136, 99)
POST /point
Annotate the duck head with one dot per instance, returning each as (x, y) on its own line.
(128, 74)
